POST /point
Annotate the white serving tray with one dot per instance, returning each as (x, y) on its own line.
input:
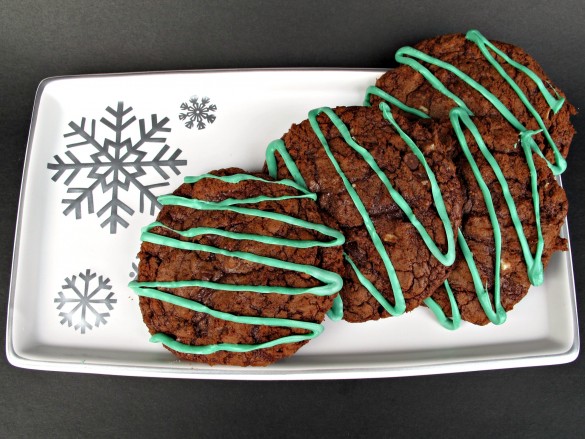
(252, 107)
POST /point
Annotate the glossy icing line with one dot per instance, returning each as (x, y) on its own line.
(533, 262)
(409, 56)
(452, 323)
(447, 258)
(314, 328)
(459, 117)
(279, 146)
(330, 282)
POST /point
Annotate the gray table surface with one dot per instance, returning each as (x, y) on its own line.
(51, 38)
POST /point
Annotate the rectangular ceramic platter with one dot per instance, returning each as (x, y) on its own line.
(252, 108)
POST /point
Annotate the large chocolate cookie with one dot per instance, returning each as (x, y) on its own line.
(238, 270)
(521, 254)
(363, 166)
(489, 78)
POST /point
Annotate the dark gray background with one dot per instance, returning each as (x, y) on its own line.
(48, 38)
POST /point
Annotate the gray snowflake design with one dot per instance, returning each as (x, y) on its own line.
(84, 301)
(197, 112)
(115, 165)
(134, 269)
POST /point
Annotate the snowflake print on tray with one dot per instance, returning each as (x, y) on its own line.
(134, 269)
(85, 300)
(197, 112)
(116, 166)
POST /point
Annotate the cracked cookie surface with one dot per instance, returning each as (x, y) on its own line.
(502, 141)
(163, 263)
(418, 271)
(410, 87)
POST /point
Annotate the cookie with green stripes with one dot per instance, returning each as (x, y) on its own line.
(238, 269)
(513, 134)
(393, 190)
(487, 78)
(511, 226)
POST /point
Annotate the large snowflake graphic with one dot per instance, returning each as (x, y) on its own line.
(83, 301)
(115, 164)
(197, 112)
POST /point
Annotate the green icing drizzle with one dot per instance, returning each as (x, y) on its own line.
(450, 323)
(497, 315)
(372, 90)
(408, 56)
(330, 282)
(279, 146)
(533, 263)
(314, 328)
(447, 258)
(461, 115)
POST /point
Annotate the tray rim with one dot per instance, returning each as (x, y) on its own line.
(246, 373)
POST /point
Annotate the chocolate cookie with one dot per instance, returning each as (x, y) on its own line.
(238, 269)
(488, 78)
(391, 187)
(503, 245)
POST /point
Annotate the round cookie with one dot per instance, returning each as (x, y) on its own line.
(363, 165)
(491, 294)
(442, 73)
(238, 269)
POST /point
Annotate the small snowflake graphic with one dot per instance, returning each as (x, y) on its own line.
(83, 300)
(134, 271)
(197, 112)
(115, 165)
